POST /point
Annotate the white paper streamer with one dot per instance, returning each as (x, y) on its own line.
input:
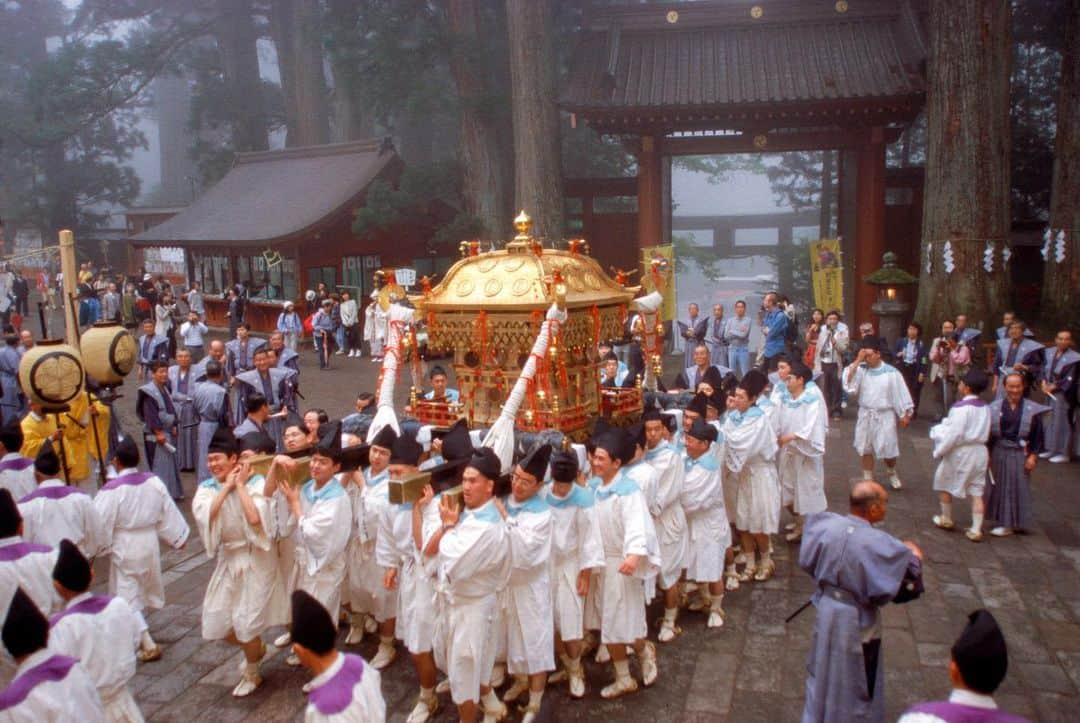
(1047, 236)
(930, 258)
(1059, 246)
(947, 258)
(1006, 254)
(988, 257)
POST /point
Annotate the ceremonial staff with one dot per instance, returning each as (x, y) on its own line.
(63, 452)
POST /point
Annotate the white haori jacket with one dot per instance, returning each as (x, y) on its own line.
(960, 445)
(575, 547)
(136, 511)
(321, 536)
(668, 515)
(55, 511)
(17, 475)
(244, 592)
(709, 532)
(349, 691)
(800, 462)
(50, 687)
(29, 566)
(396, 548)
(529, 618)
(103, 632)
(366, 593)
(883, 396)
(473, 565)
(749, 452)
(626, 528)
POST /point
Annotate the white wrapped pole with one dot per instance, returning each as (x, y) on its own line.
(501, 435)
(651, 303)
(399, 318)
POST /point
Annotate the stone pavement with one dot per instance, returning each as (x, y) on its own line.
(751, 670)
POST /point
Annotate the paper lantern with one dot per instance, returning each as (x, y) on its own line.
(109, 352)
(51, 374)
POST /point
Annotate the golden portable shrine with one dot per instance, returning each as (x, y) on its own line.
(486, 312)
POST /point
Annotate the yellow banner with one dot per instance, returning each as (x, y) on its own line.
(667, 254)
(827, 271)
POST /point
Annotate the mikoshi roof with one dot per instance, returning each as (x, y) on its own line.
(729, 63)
(274, 196)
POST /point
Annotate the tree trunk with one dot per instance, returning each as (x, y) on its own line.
(967, 168)
(237, 38)
(485, 124)
(295, 27)
(538, 164)
(1061, 281)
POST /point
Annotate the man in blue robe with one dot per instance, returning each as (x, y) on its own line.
(156, 410)
(277, 385)
(1016, 352)
(240, 357)
(1057, 380)
(12, 402)
(210, 401)
(858, 569)
(152, 347)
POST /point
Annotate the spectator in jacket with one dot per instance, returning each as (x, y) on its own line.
(911, 360)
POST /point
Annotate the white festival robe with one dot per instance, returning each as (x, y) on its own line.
(136, 511)
(749, 453)
(366, 593)
(103, 632)
(960, 445)
(529, 618)
(55, 511)
(29, 566)
(575, 546)
(243, 594)
(709, 532)
(395, 548)
(349, 691)
(50, 687)
(473, 565)
(883, 396)
(800, 462)
(648, 481)
(668, 516)
(17, 475)
(321, 536)
(626, 528)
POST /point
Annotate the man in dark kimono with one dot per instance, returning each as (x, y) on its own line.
(977, 666)
(210, 400)
(182, 383)
(1014, 353)
(286, 357)
(157, 412)
(858, 569)
(1016, 436)
(240, 357)
(701, 371)
(1057, 380)
(277, 385)
(257, 410)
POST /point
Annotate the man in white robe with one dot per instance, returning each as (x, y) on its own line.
(631, 555)
(883, 398)
(668, 517)
(530, 641)
(576, 551)
(16, 471)
(136, 511)
(55, 511)
(320, 522)
(398, 549)
(102, 631)
(345, 689)
(960, 445)
(472, 556)
(709, 535)
(47, 686)
(235, 523)
(802, 425)
(22, 564)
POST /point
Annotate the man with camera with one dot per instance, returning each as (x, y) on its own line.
(833, 341)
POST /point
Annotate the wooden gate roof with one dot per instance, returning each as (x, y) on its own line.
(730, 64)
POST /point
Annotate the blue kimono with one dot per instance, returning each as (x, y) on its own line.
(12, 402)
(158, 413)
(152, 348)
(858, 569)
(210, 403)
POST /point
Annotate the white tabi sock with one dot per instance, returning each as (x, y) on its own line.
(251, 668)
(868, 474)
(572, 664)
(535, 696)
(976, 522)
(490, 701)
(146, 642)
(670, 613)
(622, 669)
(946, 511)
(426, 693)
(387, 640)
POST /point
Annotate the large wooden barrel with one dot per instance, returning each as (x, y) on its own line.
(51, 374)
(109, 352)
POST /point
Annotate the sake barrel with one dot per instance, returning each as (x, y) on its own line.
(51, 374)
(109, 352)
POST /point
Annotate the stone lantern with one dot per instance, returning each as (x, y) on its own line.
(890, 309)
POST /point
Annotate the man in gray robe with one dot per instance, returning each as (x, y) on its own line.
(257, 410)
(215, 353)
(240, 357)
(157, 412)
(277, 385)
(1057, 380)
(286, 357)
(209, 398)
(152, 347)
(858, 569)
(12, 402)
(182, 382)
